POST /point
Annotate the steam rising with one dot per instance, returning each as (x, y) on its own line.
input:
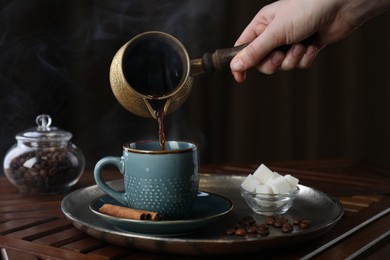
(55, 58)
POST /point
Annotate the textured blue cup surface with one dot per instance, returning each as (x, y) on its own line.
(164, 181)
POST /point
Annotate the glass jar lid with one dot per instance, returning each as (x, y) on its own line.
(44, 132)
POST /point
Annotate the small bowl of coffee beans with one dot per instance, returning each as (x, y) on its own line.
(268, 193)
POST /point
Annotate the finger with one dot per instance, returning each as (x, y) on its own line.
(239, 76)
(248, 35)
(293, 57)
(247, 58)
(255, 52)
(309, 57)
(271, 63)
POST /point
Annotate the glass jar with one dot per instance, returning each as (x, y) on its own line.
(43, 160)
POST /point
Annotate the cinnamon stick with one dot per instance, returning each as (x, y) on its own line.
(129, 213)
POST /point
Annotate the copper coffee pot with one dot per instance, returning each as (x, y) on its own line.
(139, 102)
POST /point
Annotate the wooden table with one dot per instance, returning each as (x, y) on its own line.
(34, 227)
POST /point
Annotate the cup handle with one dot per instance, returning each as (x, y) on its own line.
(118, 163)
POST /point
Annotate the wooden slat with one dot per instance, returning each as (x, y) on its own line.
(378, 253)
(18, 224)
(110, 252)
(361, 202)
(11, 254)
(350, 223)
(85, 245)
(372, 197)
(40, 230)
(26, 205)
(356, 203)
(352, 208)
(378, 248)
(61, 238)
(53, 212)
(41, 251)
(358, 240)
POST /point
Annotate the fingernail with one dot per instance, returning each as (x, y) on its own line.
(277, 58)
(298, 50)
(237, 65)
(311, 50)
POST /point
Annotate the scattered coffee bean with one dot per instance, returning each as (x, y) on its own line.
(279, 223)
(263, 227)
(251, 230)
(305, 224)
(263, 230)
(250, 220)
(240, 232)
(248, 227)
(287, 228)
(296, 221)
(269, 220)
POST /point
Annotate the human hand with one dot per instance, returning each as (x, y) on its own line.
(289, 22)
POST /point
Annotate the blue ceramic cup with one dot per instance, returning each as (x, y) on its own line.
(163, 181)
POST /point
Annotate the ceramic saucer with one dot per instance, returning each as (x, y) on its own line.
(207, 209)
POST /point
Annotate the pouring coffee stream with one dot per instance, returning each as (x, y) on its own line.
(152, 74)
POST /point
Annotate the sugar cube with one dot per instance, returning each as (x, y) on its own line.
(279, 185)
(263, 188)
(263, 174)
(250, 183)
(292, 181)
(266, 181)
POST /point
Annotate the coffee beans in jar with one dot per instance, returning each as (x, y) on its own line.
(43, 160)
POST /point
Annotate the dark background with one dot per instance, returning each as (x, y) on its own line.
(55, 58)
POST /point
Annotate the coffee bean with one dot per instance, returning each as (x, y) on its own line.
(45, 170)
(269, 220)
(263, 230)
(240, 232)
(263, 233)
(251, 230)
(287, 228)
(262, 227)
(296, 221)
(250, 220)
(248, 227)
(279, 223)
(305, 224)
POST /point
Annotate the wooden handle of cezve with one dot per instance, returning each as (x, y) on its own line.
(221, 58)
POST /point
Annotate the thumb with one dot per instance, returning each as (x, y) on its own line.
(250, 56)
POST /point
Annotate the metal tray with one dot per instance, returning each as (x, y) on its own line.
(324, 212)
